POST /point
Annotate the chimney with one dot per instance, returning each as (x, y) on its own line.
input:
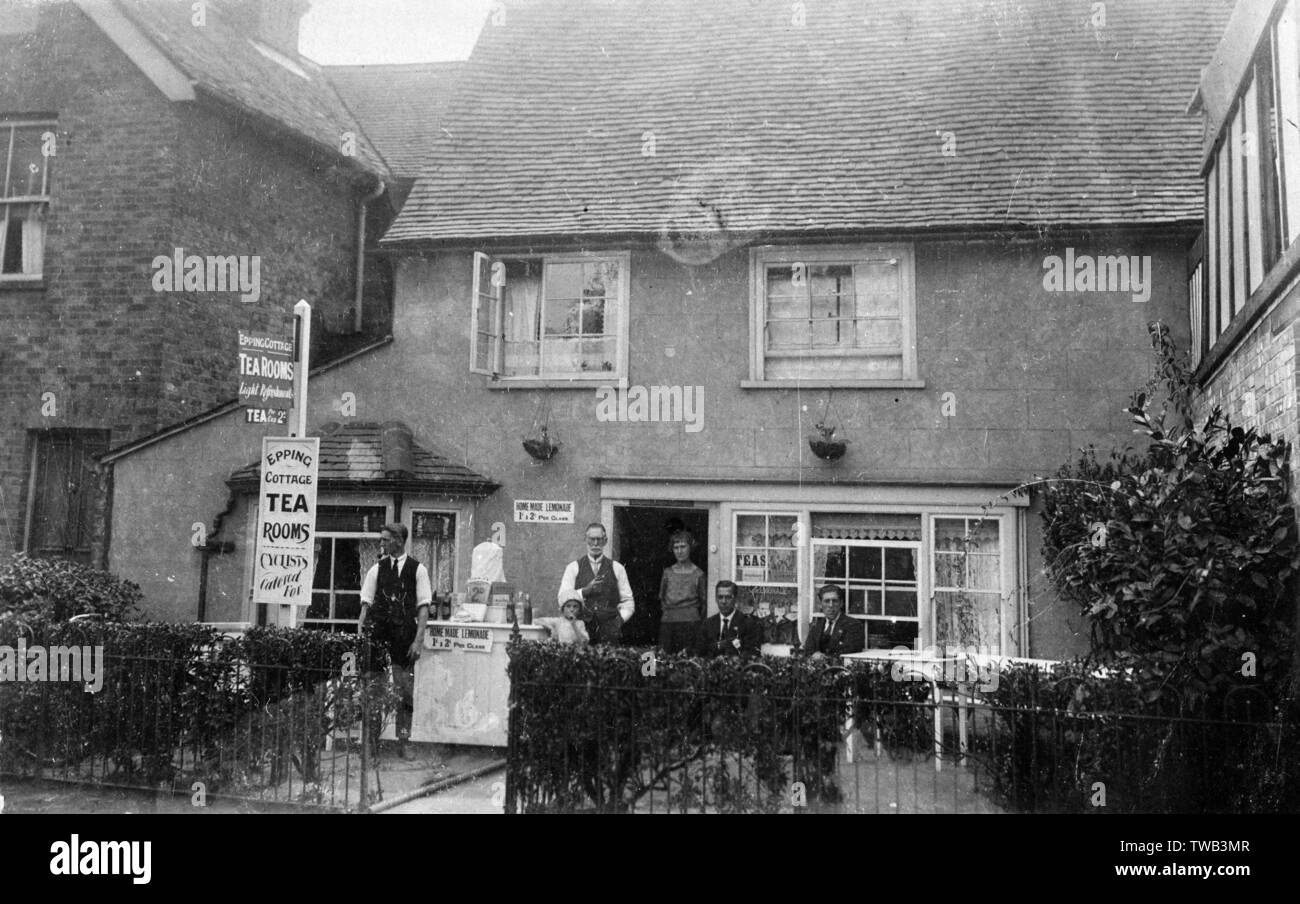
(273, 22)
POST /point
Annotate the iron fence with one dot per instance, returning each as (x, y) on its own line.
(215, 725)
(861, 743)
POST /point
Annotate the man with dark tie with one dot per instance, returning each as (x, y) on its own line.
(397, 588)
(600, 585)
(836, 633)
(729, 632)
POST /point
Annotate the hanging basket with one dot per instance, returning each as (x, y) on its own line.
(541, 448)
(827, 449)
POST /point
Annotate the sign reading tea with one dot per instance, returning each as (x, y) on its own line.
(286, 521)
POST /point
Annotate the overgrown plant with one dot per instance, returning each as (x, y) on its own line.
(1183, 557)
(59, 589)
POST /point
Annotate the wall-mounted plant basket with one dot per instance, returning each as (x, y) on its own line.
(827, 449)
(823, 443)
(540, 447)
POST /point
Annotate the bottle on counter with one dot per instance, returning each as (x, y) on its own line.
(528, 609)
(510, 610)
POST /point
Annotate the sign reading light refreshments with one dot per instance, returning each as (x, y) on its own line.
(286, 521)
(266, 368)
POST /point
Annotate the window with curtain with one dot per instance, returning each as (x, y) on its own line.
(560, 317)
(433, 542)
(967, 583)
(834, 313)
(27, 150)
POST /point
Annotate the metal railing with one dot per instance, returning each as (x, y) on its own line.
(207, 727)
(863, 746)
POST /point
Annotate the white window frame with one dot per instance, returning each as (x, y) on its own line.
(8, 133)
(924, 615)
(307, 622)
(482, 268)
(768, 255)
(1009, 633)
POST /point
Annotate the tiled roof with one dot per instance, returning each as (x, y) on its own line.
(401, 106)
(762, 125)
(352, 456)
(223, 61)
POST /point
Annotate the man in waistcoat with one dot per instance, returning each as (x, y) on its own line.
(600, 585)
(396, 596)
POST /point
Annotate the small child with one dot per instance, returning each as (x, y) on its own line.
(569, 628)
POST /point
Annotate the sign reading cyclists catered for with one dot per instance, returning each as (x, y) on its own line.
(286, 521)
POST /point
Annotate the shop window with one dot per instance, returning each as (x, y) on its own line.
(875, 560)
(558, 317)
(766, 562)
(62, 491)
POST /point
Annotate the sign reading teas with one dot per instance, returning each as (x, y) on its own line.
(556, 512)
(445, 637)
(286, 521)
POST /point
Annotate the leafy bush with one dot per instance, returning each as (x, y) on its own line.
(61, 589)
(181, 702)
(1183, 558)
(600, 728)
(1080, 739)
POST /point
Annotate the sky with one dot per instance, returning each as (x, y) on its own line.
(348, 32)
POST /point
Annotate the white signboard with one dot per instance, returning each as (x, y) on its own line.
(445, 637)
(553, 511)
(286, 521)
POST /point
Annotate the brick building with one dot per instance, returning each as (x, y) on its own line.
(1245, 270)
(130, 129)
(680, 238)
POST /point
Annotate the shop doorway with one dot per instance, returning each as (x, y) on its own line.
(641, 535)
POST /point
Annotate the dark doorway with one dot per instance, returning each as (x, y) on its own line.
(642, 533)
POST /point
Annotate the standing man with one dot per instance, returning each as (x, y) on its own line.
(837, 633)
(600, 585)
(397, 588)
(730, 632)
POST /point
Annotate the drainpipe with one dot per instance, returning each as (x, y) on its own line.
(213, 546)
(361, 252)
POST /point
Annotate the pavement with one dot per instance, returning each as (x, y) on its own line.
(434, 763)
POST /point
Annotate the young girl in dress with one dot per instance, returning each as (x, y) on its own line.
(682, 594)
(568, 628)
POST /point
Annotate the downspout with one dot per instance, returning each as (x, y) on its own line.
(361, 251)
(213, 546)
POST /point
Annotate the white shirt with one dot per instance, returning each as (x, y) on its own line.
(569, 591)
(423, 589)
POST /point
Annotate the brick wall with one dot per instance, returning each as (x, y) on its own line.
(136, 176)
(1257, 385)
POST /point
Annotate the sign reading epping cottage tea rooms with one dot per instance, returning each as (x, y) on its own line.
(286, 521)
(266, 366)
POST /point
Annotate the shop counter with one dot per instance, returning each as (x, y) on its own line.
(462, 692)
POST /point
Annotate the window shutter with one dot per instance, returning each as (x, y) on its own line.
(485, 319)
